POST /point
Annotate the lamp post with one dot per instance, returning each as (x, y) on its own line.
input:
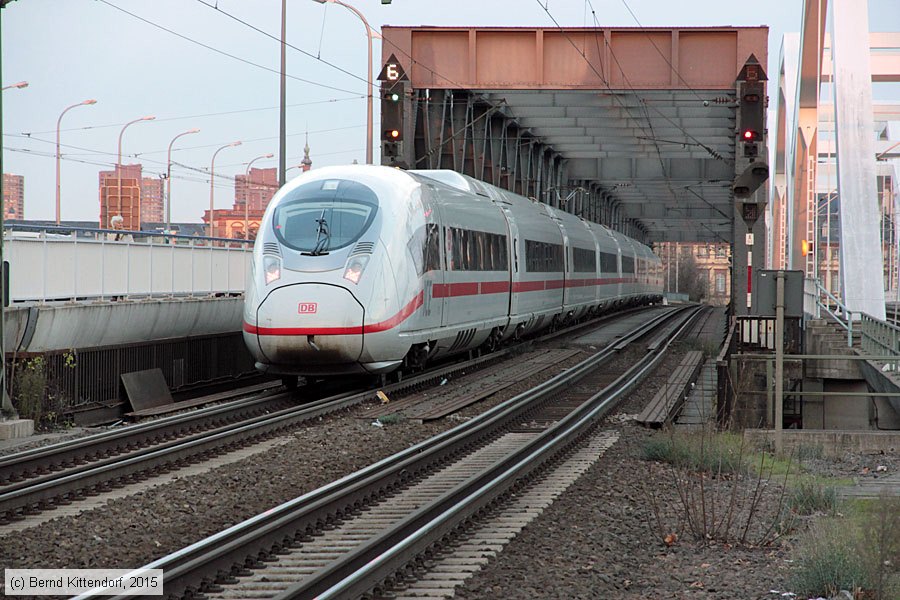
(212, 180)
(282, 105)
(169, 178)
(247, 198)
(6, 407)
(58, 123)
(369, 33)
(119, 169)
(19, 85)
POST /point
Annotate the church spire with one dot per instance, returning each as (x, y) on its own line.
(306, 163)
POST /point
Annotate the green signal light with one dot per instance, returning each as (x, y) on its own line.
(395, 97)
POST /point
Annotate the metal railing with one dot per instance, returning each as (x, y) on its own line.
(879, 337)
(50, 264)
(817, 299)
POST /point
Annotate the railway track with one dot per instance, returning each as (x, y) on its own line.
(42, 479)
(382, 526)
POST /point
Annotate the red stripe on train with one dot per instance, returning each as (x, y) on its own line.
(394, 321)
(440, 290)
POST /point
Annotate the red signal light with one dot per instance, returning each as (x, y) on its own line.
(748, 135)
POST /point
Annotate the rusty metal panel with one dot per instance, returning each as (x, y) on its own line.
(641, 59)
(146, 389)
(506, 58)
(709, 58)
(442, 58)
(563, 62)
(549, 58)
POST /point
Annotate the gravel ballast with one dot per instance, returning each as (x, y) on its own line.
(133, 531)
(599, 540)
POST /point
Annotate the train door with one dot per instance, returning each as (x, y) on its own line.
(434, 261)
(620, 289)
(512, 240)
(567, 264)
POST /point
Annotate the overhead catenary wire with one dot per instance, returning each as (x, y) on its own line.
(658, 51)
(183, 148)
(222, 52)
(202, 115)
(280, 41)
(643, 105)
(713, 153)
(109, 165)
(491, 110)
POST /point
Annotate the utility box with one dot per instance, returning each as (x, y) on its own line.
(763, 297)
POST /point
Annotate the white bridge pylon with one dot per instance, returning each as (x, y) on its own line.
(826, 155)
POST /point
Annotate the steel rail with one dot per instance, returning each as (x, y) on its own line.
(28, 464)
(244, 544)
(36, 494)
(19, 466)
(394, 549)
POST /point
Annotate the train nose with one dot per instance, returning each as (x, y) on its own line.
(310, 324)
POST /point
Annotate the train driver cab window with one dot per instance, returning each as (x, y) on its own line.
(323, 216)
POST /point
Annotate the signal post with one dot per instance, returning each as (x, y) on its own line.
(750, 196)
(395, 108)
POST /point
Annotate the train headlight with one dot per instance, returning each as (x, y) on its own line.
(355, 267)
(272, 268)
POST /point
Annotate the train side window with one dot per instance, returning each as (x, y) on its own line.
(608, 263)
(450, 249)
(459, 251)
(475, 250)
(584, 261)
(628, 265)
(432, 248)
(416, 248)
(543, 257)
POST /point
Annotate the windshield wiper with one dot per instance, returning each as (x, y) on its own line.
(321, 242)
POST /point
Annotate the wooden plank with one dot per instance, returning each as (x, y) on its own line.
(167, 408)
(668, 400)
(434, 404)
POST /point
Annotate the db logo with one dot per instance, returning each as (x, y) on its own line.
(308, 308)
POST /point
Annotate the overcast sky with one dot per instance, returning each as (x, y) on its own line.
(74, 50)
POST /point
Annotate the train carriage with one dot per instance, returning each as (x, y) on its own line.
(361, 269)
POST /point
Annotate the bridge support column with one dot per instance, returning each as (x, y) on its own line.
(862, 277)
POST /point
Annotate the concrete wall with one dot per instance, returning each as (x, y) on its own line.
(47, 328)
(833, 443)
(54, 268)
(752, 406)
(822, 339)
(837, 412)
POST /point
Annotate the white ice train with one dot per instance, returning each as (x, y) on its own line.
(362, 269)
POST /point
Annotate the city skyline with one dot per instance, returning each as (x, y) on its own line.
(132, 67)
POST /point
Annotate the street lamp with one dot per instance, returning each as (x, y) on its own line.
(119, 170)
(212, 180)
(169, 178)
(369, 33)
(20, 85)
(6, 407)
(247, 198)
(58, 122)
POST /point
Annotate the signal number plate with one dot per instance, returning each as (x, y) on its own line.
(308, 308)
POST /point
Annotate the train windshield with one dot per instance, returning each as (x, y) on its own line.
(322, 216)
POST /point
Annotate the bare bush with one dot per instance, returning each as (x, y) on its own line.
(719, 495)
